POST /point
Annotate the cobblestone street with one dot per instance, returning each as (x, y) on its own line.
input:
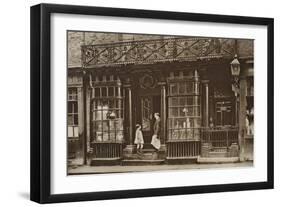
(120, 169)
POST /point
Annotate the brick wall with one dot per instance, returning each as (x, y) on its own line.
(76, 39)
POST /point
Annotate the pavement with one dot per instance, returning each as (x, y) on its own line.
(86, 169)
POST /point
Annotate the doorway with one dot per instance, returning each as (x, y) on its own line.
(148, 105)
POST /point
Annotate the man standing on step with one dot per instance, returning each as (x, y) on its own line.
(155, 141)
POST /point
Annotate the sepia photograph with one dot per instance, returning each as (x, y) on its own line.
(143, 102)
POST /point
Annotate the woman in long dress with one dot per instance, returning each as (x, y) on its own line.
(155, 141)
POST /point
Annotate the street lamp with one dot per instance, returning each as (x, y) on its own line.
(235, 72)
(235, 68)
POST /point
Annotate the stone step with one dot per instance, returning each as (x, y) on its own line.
(182, 160)
(148, 150)
(217, 160)
(105, 161)
(142, 162)
(143, 156)
(219, 149)
(218, 154)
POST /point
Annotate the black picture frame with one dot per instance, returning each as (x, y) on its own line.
(41, 99)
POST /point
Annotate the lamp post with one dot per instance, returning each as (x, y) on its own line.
(84, 116)
(235, 72)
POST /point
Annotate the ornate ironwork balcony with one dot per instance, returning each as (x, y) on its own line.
(153, 51)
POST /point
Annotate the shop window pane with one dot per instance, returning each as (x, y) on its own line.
(121, 113)
(189, 87)
(98, 130)
(70, 131)
(97, 104)
(182, 87)
(76, 131)
(111, 104)
(69, 107)
(112, 125)
(112, 136)
(98, 115)
(182, 111)
(196, 133)
(70, 120)
(110, 91)
(122, 104)
(117, 103)
(75, 107)
(75, 119)
(173, 89)
(103, 92)
(105, 136)
(173, 101)
(105, 103)
(182, 101)
(118, 113)
(98, 126)
(189, 101)
(119, 124)
(105, 126)
(72, 94)
(196, 122)
(173, 112)
(97, 92)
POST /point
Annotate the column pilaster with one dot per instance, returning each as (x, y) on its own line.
(128, 150)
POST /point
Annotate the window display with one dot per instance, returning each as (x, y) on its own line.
(107, 112)
(184, 117)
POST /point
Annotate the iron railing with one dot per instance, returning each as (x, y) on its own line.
(160, 50)
(220, 137)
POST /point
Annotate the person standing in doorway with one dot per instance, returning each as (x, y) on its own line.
(156, 132)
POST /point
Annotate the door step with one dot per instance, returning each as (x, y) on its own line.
(182, 160)
(147, 157)
(105, 161)
(218, 154)
(143, 156)
(217, 160)
(142, 162)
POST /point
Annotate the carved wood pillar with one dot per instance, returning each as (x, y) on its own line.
(129, 128)
(130, 115)
(206, 102)
(163, 114)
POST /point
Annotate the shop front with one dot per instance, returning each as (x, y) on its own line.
(187, 81)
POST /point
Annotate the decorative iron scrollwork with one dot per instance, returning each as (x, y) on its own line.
(152, 51)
